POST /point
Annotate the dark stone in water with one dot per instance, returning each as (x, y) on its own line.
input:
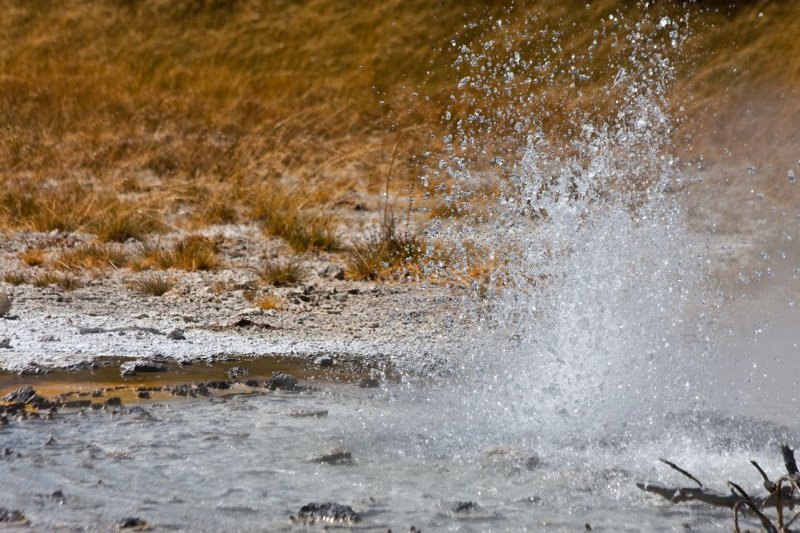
(466, 507)
(283, 381)
(143, 394)
(58, 496)
(222, 385)
(131, 522)
(130, 368)
(3, 420)
(114, 401)
(50, 442)
(237, 372)
(335, 456)
(26, 395)
(369, 383)
(9, 516)
(328, 512)
(324, 361)
(251, 383)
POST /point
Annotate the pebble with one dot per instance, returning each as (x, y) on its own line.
(335, 456)
(327, 512)
(130, 368)
(176, 334)
(324, 360)
(369, 383)
(5, 342)
(237, 372)
(281, 380)
(5, 304)
(132, 522)
(10, 516)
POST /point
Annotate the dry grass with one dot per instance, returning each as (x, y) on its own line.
(152, 284)
(269, 302)
(15, 278)
(65, 281)
(279, 273)
(383, 251)
(191, 253)
(116, 116)
(284, 214)
(33, 257)
(91, 256)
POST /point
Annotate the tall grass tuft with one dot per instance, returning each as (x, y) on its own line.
(279, 273)
(384, 250)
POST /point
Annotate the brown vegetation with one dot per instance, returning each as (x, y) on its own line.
(122, 119)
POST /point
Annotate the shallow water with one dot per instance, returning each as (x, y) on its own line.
(243, 463)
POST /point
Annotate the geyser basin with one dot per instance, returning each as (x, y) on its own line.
(251, 462)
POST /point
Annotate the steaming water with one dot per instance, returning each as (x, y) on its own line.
(618, 333)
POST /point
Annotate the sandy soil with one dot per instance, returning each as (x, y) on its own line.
(405, 324)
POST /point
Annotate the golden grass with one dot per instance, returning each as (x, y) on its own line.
(269, 302)
(279, 273)
(118, 116)
(91, 256)
(152, 284)
(383, 250)
(65, 281)
(33, 257)
(283, 214)
(194, 252)
(15, 278)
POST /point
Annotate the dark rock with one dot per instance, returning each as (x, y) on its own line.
(114, 401)
(332, 271)
(251, 383)
(243, 323)
(465, 507)
(176, 334)
(5, 342)
(131, 522)
(335, 456)
(3, 420)
(96, 406)
(328, 512)
(97, 393)
(324, 360)
(202, 390)
(26, 395)
(77, 403)
(58, 496)
(281, 380)
(50, 442)
(309, 413)
(5, 304)
(143, 395)
(9, 516)
(369, 383)
(181, 390)
(222, 385)
(237, 372)
(131, 368)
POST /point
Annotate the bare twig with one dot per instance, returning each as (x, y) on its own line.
(682, 471)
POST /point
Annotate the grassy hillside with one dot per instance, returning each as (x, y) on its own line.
(207, 111)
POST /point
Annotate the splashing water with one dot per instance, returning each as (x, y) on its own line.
(599, 316)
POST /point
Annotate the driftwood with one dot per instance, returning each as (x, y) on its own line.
(781, 495)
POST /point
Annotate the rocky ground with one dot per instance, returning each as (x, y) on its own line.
(211, 314)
